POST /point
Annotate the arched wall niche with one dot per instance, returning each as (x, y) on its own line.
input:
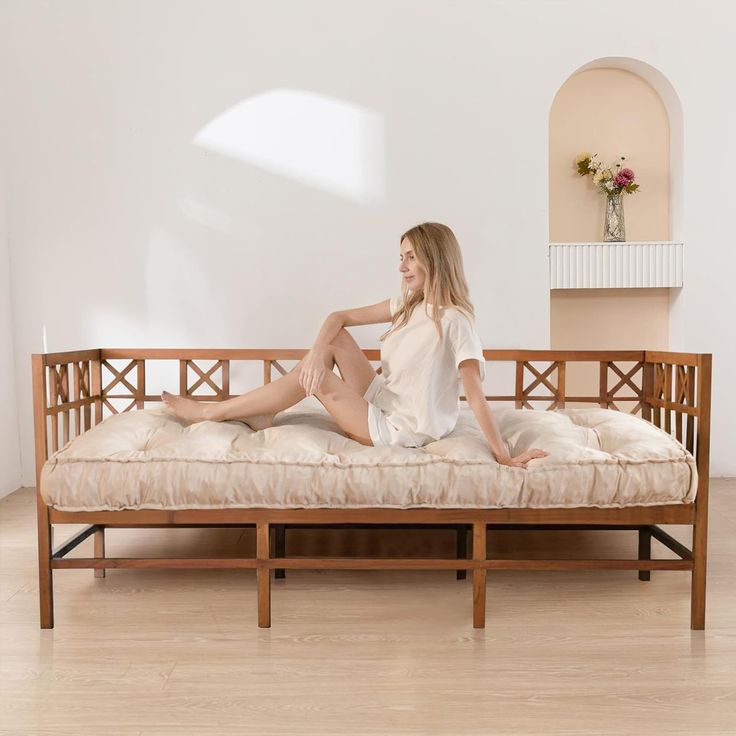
(613, 106)
(671, 101)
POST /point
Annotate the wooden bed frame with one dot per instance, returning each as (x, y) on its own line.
(73, 391)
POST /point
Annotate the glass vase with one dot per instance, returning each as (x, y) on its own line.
(613, 229)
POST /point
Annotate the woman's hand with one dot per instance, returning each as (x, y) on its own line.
(314, 367)
(520, 461)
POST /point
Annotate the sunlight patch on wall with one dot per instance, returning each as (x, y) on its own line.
(319, 141)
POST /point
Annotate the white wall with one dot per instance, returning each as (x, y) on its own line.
(10, 465)
(356, 122)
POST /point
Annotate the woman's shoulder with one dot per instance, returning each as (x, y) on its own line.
(457, 315)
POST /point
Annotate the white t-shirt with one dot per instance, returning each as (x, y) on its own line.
(422, 380)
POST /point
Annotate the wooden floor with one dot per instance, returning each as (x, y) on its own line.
(179, 652)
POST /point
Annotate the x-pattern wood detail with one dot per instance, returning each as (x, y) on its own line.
(81, 380)
(206, 378)
(672, 383)
(58, 381)
(119, 377)
(683, 390)
(626, 379)
(674, 404)
(59, 384)
(540, 378)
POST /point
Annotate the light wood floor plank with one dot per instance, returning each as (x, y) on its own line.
(158, 652)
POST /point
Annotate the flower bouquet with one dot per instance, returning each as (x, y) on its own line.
(614, 181)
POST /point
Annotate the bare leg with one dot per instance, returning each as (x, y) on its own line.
(346, 404)
(256, 407)
(354, 367)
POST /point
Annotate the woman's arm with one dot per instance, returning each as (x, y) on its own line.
(371, 315)
(470, 375)
(319, 359)
(328, 332)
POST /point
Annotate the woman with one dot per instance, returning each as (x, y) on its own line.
(424, 356)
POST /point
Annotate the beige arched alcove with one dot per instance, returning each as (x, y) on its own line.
(613, 107)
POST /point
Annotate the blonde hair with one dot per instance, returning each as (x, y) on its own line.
(438, 252)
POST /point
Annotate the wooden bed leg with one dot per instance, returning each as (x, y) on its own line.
(45, 573)
(263, 575)
(697, 591)
(645, 550)
(479, 576)
(461, 547)
(700, 527)
(280, 551)
(100, 550)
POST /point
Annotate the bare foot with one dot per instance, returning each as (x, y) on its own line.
(183, 408)
(197, 411)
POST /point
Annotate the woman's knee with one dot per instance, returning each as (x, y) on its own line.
(330, 361)
(345, 348)
(342, 339)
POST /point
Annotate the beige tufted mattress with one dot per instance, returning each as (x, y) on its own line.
(148, 460)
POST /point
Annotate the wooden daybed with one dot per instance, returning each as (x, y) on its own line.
(75, 391)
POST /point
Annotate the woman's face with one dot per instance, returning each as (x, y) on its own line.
(412, 273)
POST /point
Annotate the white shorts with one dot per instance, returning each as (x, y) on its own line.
(380, 427)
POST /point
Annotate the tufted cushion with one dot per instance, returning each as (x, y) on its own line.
(147, 459)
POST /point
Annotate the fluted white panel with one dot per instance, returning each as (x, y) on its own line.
(614, 265)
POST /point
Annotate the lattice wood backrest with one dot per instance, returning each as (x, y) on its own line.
(672, 390)
(66, 391)
(552, 378)
(677, 397)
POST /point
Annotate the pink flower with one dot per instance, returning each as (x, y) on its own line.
(624, 178)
